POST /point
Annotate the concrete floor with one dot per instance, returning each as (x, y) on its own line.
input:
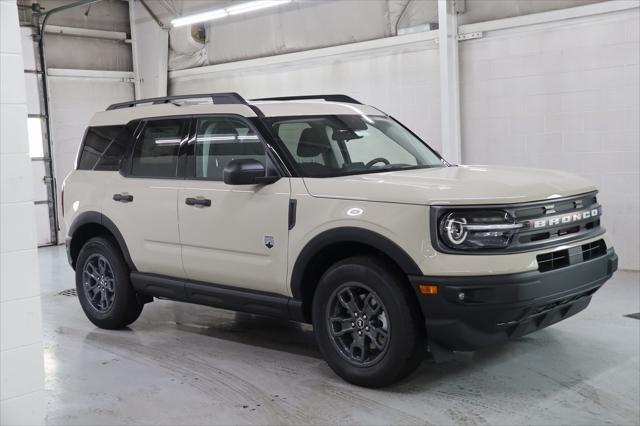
(183, 364)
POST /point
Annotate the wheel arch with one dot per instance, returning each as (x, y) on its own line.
(333, 245)
(88, 225)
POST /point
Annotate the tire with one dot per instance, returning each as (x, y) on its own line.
(376, 288)
(114, 303)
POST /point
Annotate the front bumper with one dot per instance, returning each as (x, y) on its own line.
(474, 311)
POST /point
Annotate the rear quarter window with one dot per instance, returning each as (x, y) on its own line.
(104, 147)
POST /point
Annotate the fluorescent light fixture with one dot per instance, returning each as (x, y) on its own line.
(199, 17)
(254, 5)
(223, 13)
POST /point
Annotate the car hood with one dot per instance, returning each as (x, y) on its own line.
(452, 185)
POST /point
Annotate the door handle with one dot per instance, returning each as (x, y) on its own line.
(202, 202)
(123, 198)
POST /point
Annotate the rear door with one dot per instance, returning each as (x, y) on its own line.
(142, 199)
(235, 234)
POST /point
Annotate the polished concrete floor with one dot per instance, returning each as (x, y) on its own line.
(186, 364)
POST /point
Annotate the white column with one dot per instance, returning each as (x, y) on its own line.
(449, 81)
(21, 356)
(150, 49)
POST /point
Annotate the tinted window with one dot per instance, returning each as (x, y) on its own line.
(113, 155)
(222, 139)
(156, 150)
(96, 142)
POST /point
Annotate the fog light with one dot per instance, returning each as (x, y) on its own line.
(428, 289)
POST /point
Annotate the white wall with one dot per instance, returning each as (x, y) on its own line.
(562, 95)
(402, 81)
(73, 101)
(21, 354)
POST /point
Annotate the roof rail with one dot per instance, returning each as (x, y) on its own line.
(328, 98)
(216, 98)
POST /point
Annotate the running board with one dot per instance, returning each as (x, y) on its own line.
(218, 296)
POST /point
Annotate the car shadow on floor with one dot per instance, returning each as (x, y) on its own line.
(254, 330)
(545, 361)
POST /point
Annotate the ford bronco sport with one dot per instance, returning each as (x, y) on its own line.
(322, 210)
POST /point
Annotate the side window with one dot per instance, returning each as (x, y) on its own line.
(156, 150)
(220, 140)
(113, 155)
(97, 141)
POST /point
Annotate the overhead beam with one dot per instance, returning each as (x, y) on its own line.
(126, 76)
(449, 81)
(86, 32)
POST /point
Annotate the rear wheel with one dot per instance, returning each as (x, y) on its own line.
(103, 286)
(367, 323)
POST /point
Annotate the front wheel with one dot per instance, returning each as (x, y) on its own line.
(103, 287)
(366, 322)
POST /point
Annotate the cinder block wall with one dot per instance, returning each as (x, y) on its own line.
(21, 355)
(562, 95)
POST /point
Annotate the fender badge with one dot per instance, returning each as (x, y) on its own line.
(268, 241)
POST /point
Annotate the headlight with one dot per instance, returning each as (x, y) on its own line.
(474, 230)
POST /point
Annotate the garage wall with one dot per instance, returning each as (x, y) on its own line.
(21, 356)
(562, 95)
(99, 72)
(402, 80)
(73, 101)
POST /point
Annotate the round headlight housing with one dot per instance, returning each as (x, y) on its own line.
(477, 230)
(456, 230)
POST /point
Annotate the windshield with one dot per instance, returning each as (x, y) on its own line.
(338, 145)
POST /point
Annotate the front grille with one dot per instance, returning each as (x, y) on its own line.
(594, 249)
(548, 223)
(561, 258)
(553, 260)
(544, 212)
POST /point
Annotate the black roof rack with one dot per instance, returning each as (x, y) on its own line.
(329, 98)
(216, 98)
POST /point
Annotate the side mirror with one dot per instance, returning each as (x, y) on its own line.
(247, 172)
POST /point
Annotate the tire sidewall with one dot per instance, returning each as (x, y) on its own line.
(124, 295)
(403, 337)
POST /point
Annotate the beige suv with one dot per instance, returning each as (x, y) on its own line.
(322, 210)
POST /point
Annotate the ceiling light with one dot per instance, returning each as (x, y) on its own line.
(199, 17)
(254, 5)
(223, 13)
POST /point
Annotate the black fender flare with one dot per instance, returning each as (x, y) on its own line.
(349, 235)
(98, 218)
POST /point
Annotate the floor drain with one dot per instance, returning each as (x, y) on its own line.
(68, 292)
(634, 316)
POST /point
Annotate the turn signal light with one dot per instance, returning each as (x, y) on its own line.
(428, 289)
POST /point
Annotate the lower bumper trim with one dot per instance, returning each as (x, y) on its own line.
(493, 309)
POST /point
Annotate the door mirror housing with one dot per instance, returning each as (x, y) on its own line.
(247, 172)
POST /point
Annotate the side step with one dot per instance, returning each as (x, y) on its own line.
(218, 296)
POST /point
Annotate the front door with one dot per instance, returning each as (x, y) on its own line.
(233, 235)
